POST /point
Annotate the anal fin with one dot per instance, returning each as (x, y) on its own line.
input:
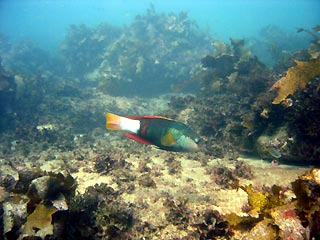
(137, 138)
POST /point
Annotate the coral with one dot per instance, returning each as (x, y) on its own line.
(223, 134)
(288, 132)
(81, 219)
(315, 175)
(8, 182)
(115, 215)
(297, 77)
(222, 65)
(25, 57)
(261, 205)
(240, 51)
(143, 165)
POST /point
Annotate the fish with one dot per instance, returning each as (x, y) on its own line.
(164, 133)
(274, 152)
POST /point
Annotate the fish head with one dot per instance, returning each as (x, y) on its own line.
(187, 141)
(189, 144)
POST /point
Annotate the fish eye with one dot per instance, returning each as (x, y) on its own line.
(196, 140)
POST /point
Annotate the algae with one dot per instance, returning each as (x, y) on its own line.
(39, 222)
(297, 77)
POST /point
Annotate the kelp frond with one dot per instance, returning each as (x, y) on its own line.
(296, 77)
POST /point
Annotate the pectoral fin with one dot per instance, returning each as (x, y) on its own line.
(168, 140)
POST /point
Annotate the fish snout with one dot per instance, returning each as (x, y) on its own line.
(194, 145)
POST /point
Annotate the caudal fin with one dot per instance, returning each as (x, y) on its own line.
(113, 121)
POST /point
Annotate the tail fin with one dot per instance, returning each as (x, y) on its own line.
(113, 121)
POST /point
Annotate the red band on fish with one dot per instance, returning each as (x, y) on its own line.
(143, 128)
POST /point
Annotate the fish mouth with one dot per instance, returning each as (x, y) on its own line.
(187, 144)
(194, 147)
(199, 147)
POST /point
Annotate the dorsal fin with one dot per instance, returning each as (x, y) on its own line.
(148, 117)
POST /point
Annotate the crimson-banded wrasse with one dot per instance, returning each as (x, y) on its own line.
(162, 132)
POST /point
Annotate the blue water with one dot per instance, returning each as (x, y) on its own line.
(45, 22)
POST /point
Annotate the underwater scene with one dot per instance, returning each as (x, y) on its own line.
(159, 119)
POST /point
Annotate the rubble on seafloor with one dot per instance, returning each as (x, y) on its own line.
(116, 193)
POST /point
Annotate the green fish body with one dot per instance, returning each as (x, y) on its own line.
(164, 133)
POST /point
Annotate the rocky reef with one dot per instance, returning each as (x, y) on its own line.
(247, 107)
(7, 97)
(155, 51)
(112, 193)
(64, 176)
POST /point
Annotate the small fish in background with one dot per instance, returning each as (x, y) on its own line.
(162, 132)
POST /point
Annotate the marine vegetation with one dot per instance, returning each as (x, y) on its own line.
(230, 68)
(154, 52)
(236, 108)
(7, 97)
(272, 214)
(64, 176)
(145, 58)
(230, 82)
(83, 42)
(296, 78)
(34, 201)
(276, 47)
